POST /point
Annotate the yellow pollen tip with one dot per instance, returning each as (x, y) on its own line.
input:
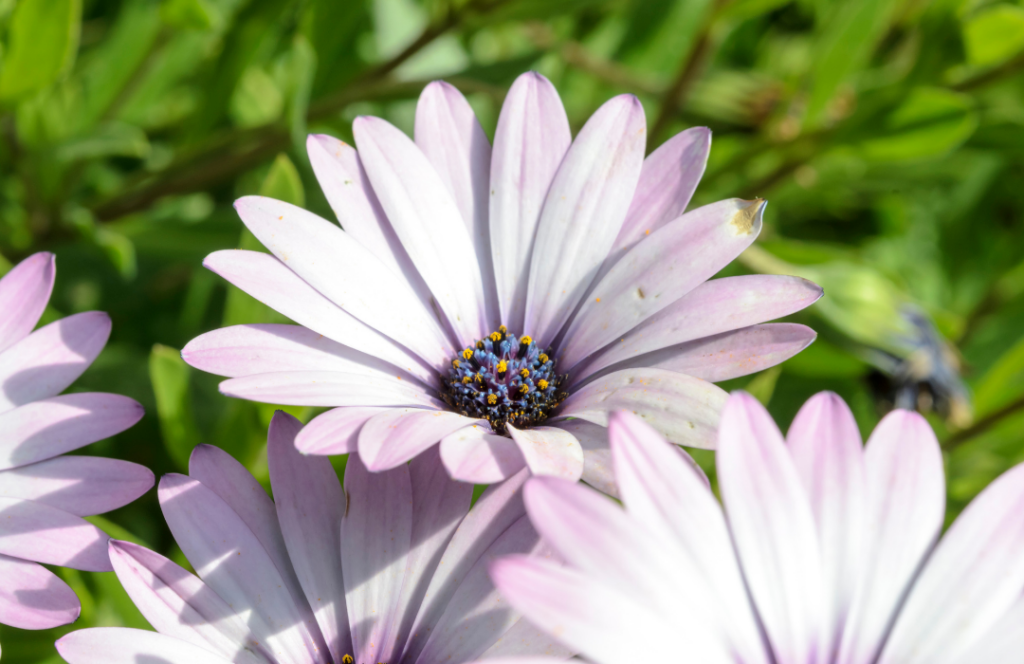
(480, 345)
(502, 329)
(502, 366)
(524, 388)
(526, 339)
(479, 378)
(468, 353)
(524, 373)
(456, 363)
(495, 336)
(466, 379)
(542, 384)
(543, 358)
(347, 659)
(492, 399)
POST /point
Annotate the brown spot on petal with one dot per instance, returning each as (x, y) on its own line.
(743, 220)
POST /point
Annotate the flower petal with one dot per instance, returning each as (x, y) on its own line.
(583, 213)
(121, 645)
(906, 504)
(714, 307)
(1003, 643)
(530, 141)
(44, 534)
(46, 362)
(336, 431)
(329, 388)
(268, 280)
(773, 530)
(523, 640)
(550, 451)
(682, 408)
(24, 292)
(50, 427)
(78, 485)
(395, 436)
(597, 456)
(33, 597)
(310, 507)
(659, 270)
(334, 263)
(427, 221)
(179, 605)
(478, 455)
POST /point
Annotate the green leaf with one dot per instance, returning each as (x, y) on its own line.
(1003, 383)
(188, 14)
(120, 250)
(762, 386)
(931, 122)
(994, 35)
(170, 378)
(43, 41)
(112, 139)
(283, 182)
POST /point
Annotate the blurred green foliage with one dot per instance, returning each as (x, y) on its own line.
(888, 136)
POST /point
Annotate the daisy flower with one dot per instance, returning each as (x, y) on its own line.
(481, 298)
(43, 495)
(391, 568)
(828, 551)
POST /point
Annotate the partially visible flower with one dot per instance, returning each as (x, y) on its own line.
(480, 299)
(43, 495)
(391, 568)
(828, 553)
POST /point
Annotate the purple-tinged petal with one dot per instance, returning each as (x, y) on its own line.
(973, 578)
(230, 558)
(46, 362)
(530, 141)
(906, 498)
(79, 485)
(179, 605)
(525, 643)
(121, 645)
(24, 292)
(336, 431)
(478, 455)
(453, 141)
(773, 529)
(33, 597)
(395, 436)
(682, 408)
(550, 451)
(427, 221)
(659, 270)
(268, 280)
(714, 307)
(826, 448)
(376, 537)
(583, 212)
(331, 389)
(501, 659)
(310, 507)
(50, 427)
(335, 264)
(597, 457)
(44, 534)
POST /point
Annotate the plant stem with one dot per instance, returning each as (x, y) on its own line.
(983, 425)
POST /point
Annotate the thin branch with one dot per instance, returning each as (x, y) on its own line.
(983, 425)
(1008, 68)
(675, 96)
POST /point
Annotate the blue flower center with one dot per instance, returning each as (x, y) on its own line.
(504, 379)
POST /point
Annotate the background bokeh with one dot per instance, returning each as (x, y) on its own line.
(887, 135)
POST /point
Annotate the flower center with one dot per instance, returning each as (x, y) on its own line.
(505, 380)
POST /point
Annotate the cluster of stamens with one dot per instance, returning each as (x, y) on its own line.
(505, 380)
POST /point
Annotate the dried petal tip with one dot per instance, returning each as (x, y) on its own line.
(747, 219)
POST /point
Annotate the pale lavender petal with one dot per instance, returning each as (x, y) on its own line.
(682, 408)
(773, 529)
(501, 659)
(526, 643)
(659, 270)
(428, 222)
(33, 597)
(906, 504)
(24, 292)
(230, 558)
(330, 388)
(179, 605)
(46, 362)
(530, 141)
(1003, 643)
(79, 485)
(714, 307)
(376, 537)
(340, 268)
(310, 507)
(121, 645)
(550, 451)
(478, 455)
(974, 577)
(268, 280)
(453, 141)
(50, 427)
(826, 448)
(395, 436)
(336, 431)
(597, 457)
(583, 212)
(44, 534)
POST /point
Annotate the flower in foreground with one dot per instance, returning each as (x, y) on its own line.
(480, 298)
(393, 568)
(43, 495)
(828, 550)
